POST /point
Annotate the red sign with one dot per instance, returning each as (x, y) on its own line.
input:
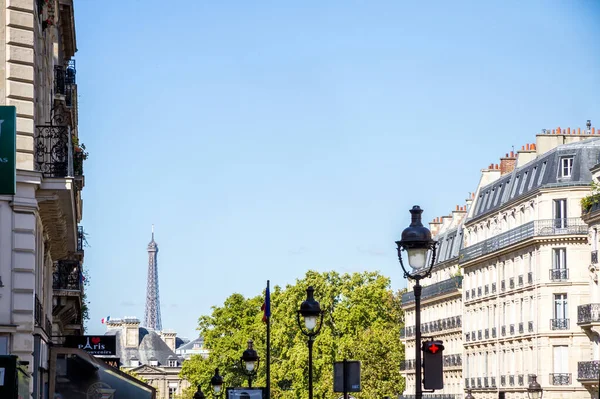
(433, 348)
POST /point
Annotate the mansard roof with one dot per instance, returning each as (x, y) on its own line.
(543, 172)
(150, 347)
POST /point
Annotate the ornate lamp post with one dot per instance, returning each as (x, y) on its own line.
(217, 383)
(469, 394)
(199, 394)
(534, 390)
(310, 310)
(416, 241)
(249, 362)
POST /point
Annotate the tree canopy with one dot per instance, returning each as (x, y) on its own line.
(362, 322)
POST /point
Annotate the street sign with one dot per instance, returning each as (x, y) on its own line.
(97, 345)
(352, 376)
(8, 150)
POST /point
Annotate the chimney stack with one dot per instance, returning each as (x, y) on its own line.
(434, 226)
(508, 163)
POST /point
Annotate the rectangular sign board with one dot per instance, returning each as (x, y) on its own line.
(352, 375)
(8, 150)
(96, 345)
(245, 393)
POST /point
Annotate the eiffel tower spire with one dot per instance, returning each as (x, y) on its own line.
(152, 314)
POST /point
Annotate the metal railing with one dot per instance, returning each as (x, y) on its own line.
(473, 293)
(544, 227)
(48, 327)
(80, 238)
(589, 313)
(53, 151)
(467, 337)
(38, 312)
(559, 274)
(594, 257)
(560, 378)
(452, 360)
(588, 370)
(433, 396)
(466, 383)
(443, 287)
(447, 323)
(472, 335)
(67, 276)
(467, 294)
(493, 288)
(486, 382)
(478, 291)
(478, 382)
(559, 324)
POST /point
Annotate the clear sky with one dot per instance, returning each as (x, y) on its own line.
(265, 138)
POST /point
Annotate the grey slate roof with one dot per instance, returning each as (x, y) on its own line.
(150, 346)
(190, 345)
(450, 243)
(539, 173)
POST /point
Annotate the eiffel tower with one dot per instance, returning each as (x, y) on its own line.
(152, 314)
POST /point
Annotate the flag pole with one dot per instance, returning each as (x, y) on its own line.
(269, 348)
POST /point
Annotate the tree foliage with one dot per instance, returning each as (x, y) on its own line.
(362, 322)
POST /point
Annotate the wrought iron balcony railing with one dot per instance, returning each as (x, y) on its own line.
(560, 379)
(38, 314)
(589, 313)
(559, 274)
(472, 381)
(511, 283)
(520, 280)
(493, 382)
(448, 323)
(67, 276)
(48, 327)
(521, 328)
(588, 370)
(530, 278)
(594, 257)
(546, 227)
(493, 287)
(512, 329)
(443, 287)
(530, 326)
(559, 324)
(466, 383)
(452, 360)
(54, 151)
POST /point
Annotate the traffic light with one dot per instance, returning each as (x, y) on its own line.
(433, 365)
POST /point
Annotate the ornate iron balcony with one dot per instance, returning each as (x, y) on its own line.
(443, 287)
(521, 379)
(493, 332)
(502, 285)
(559, 274)
(520, 280)
(503, 331)
(521, 328)
(530, 326)
(545, 227)
(487, 333)
(38, 312)
(486, 289)
(530, 278)
(433, 396)
(48, 327)
(560, 378)
(512, 329)
(493, 287)
(588, 370)
(589, 313)
(594, 257)
(53, 151)
(67, 276)
(511, 283)
(559, 324)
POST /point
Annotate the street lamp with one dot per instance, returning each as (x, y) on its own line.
(416, 241)
(310, 310)
(534, 390)
(217, 383)
(199, 394)
(469, 394)
(249, 362)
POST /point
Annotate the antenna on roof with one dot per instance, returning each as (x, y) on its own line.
(589, 126)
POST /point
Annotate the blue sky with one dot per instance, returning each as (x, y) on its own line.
(267, 138)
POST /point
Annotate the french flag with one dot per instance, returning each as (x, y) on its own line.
(266, 307)
(105, 320)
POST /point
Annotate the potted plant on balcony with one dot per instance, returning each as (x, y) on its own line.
(587, 203)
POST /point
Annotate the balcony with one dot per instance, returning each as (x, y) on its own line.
(559, 274)
(511, 283)
(520, 280)
(560, 379)
(588, 371)
(559, 324)
(452, 360)
(38, 313)
(588, 314)
(546, 227)
(530, 278)
(439, 325)
(594, 257)
(67, 283)
(521, 328)
(512, 329)
(493, 288)
(530, 326)
(466, 383)
(443, 287)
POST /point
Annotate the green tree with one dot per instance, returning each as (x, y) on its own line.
(362, 322)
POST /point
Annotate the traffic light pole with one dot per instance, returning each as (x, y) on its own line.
(417, 291)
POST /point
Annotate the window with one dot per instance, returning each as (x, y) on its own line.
(172, 392)
(532, 178)
(523, 183)
(542, 172)
(560, 213)
(559, 264)
(4, 345)
(561, 359)
(514, 189)
(566, 167)
(172, 363)
(560, 306)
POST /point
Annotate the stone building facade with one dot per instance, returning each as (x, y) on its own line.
(529, 295)
(41, 242)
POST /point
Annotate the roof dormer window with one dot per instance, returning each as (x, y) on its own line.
(566, 166)
(172, 363)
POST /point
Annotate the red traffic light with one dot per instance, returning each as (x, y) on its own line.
(433, 347)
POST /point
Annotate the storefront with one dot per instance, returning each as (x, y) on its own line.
(75, 374)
